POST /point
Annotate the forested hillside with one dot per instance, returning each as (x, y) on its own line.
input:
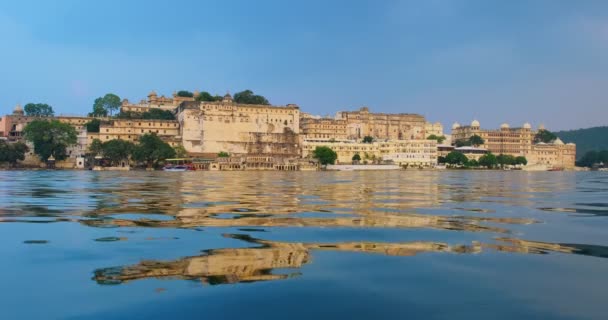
(589, 139)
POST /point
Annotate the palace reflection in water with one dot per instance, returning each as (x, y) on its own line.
(260, 227)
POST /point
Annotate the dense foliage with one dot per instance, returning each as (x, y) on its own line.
(247, 97)
(545, 136)
(96, 147)
(456, 159)
(117, 150)
(223, 154)
(38, 110)
(50, 137)
(180, 151)
(151, 114)
(325, 155)
(586, 139)
(206, 96)
(356, 157)
(488, 160)
(93, 125)
(151, 150)
(12, 152)
(439, 139)
(368, 139)
(106, 105)
(591, 158)
(474, 140)
(185, 94)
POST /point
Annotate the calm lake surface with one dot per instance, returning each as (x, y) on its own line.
(303, 245)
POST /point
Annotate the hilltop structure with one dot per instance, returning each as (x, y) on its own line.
(260, 137)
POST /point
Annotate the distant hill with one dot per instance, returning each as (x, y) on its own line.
(595, 138)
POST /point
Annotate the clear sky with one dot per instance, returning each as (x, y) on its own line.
(493, 60)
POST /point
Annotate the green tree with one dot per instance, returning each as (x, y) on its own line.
(247, 97)
(151, 150)
(98, 109)
(185, 94)
(505, 160)
(462, 143)
(488, 160)
(206, 96)
(476, 140)
(93, 125)
(325, 155)
(159, 114)
(105, 105)
(439, 139)
(38, 110)
(473, 163)
(441, 159)
(223, 154)
(356, 157)
(456, 158)
(117, 150)
(12, 152)
(180, 151)
(96, 147)
(521, 160)
(50, 137)
(368, 139)
(545, 136)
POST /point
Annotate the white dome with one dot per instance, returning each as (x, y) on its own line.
(558, 141)
(455, 126)
(504, 126)
(475, 123)
(527, 125)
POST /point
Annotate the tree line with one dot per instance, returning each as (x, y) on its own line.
(488, 160)
(593, 158)
(149, 150)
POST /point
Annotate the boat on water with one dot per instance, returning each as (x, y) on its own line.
(556, 169)
(177, 168)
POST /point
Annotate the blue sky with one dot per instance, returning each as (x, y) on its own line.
(496, 61)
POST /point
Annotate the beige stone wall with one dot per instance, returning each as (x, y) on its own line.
(212, 127)
(322, 128)
(132, 129)
(382, 125)
(433, 128)
(554, 155)
(423, 152)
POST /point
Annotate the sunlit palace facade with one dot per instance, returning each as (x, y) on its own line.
(519, 142)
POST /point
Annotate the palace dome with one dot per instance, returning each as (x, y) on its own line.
(18, 109)
(504, 126)
(558, 141)
(455, 126)
(152, 93)
(227, 97)
(527, 125)
(475, 123)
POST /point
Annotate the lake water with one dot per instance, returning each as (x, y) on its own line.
(303, 245)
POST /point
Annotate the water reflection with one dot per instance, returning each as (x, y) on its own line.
(456, 202)
(228, 266)
(221, 266)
